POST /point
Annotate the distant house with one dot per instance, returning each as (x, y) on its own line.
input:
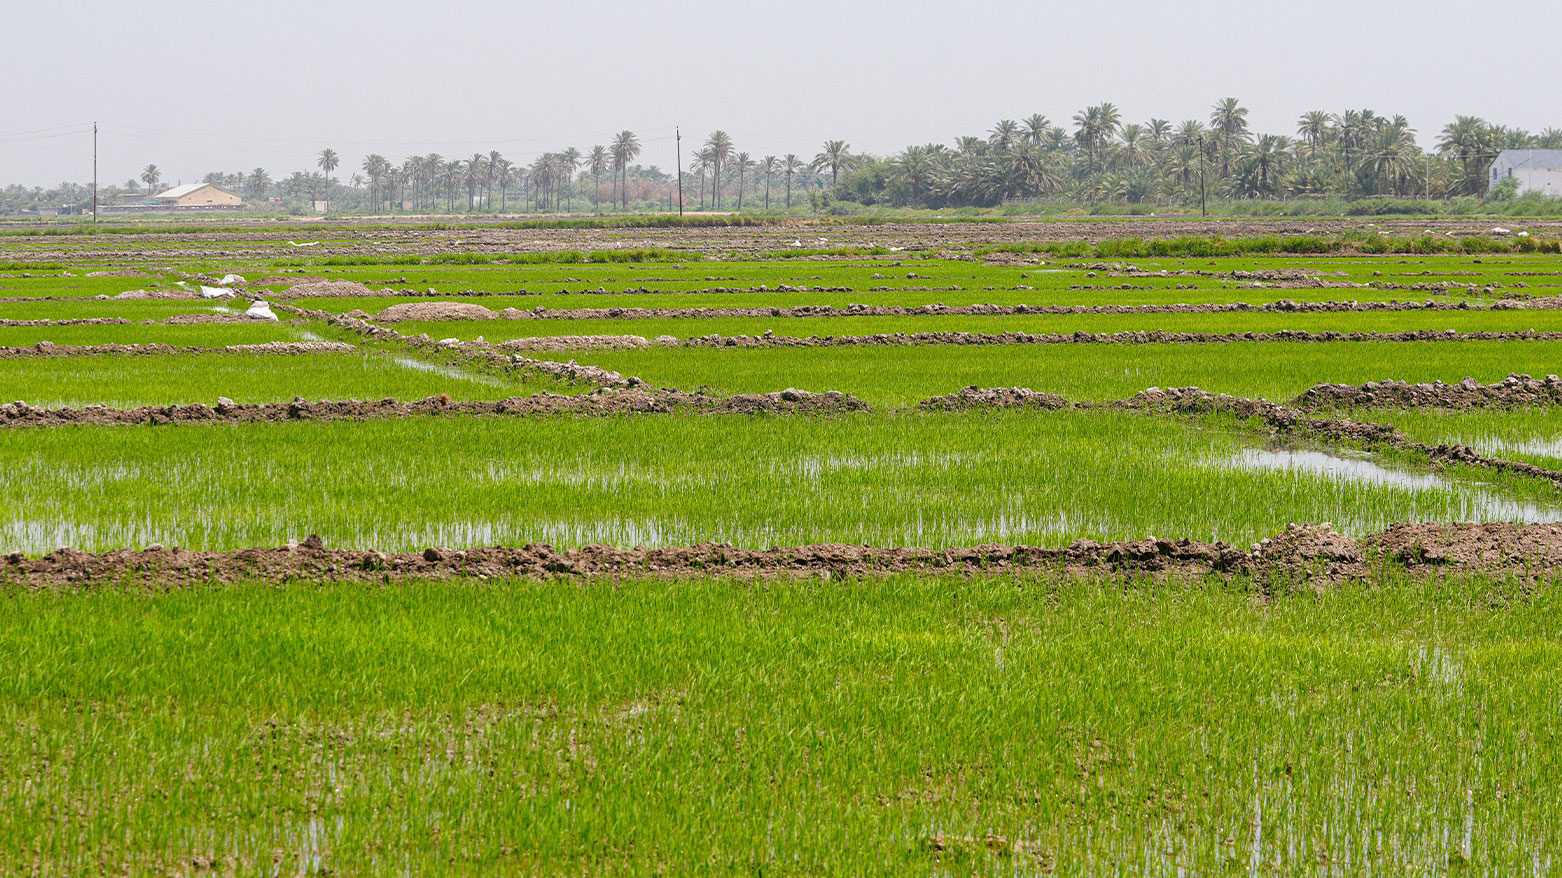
(1537, 170)
(196, 195)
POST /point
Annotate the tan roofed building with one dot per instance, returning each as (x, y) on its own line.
(197, 195)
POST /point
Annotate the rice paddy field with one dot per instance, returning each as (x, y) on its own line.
(1041, 720)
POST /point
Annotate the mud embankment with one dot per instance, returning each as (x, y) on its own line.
(1514, 391)
(20, 414)
(899, 339)
(440, 311)
(1301, 556)
(50, 349)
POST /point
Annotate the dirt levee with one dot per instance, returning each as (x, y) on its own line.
(20, 414)
(1511, 392)
(1301, 556)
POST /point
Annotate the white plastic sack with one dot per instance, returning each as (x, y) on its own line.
(231, 279)
(260, 311)
(214, 292)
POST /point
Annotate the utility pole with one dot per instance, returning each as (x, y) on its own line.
(678, 142)
(94, 173)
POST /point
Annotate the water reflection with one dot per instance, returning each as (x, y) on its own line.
(1478, 502)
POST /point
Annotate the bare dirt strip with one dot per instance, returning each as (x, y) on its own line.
(562, 343)
(471, 311)
(20, 414)
(1301, 556)
(1514, 391)
(287, 348)
(390, 237)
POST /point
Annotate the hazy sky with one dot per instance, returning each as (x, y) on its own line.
(220, 85)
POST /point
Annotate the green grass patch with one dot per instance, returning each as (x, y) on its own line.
(132, 380)
(1059, 324)
(794, 728)
(902, 376)
(898, 480)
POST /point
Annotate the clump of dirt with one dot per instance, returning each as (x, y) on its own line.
(320, 288)
(995, 397)
(181, 319)
(157, 294)
(791, 401)
(434, 311)
(1499, 548)
(119, 272)
(289, 280)
(554, 343)
(1511, 392)
(1310, 553)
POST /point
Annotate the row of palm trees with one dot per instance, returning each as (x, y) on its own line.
(1098, 157)
(549, 179)
(1102, 158)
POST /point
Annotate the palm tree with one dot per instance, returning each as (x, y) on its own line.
(1229, 117)
(770, 165)
(792, 166)
(744, 163)
(501, 171)
(1469, 139)
(429, 170)
(597, 162)
(1314, 128)
(702, 162)
(1004, 135)
(1036, 126)
(474, 169)
(1351, 128)
(327, 163)
(378, 169)
(494, 158)
(719, 144)
(915, 166)
(150, 175)
(835, 156)
(1391, 159)
(625, 147)
(1095, 129)
(569, 163)
(258, 182)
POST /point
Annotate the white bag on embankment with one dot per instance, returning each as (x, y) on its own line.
(260, 311)
(214, 292)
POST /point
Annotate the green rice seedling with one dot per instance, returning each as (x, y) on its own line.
(905, 375)
(948, 479)
(192, 334)
(1531, 435)
(918, 725)
(122, 380)
(1056, 324)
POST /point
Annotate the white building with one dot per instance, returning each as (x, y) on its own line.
(1537, 170)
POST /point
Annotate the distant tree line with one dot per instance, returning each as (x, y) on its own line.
(1097, 158)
